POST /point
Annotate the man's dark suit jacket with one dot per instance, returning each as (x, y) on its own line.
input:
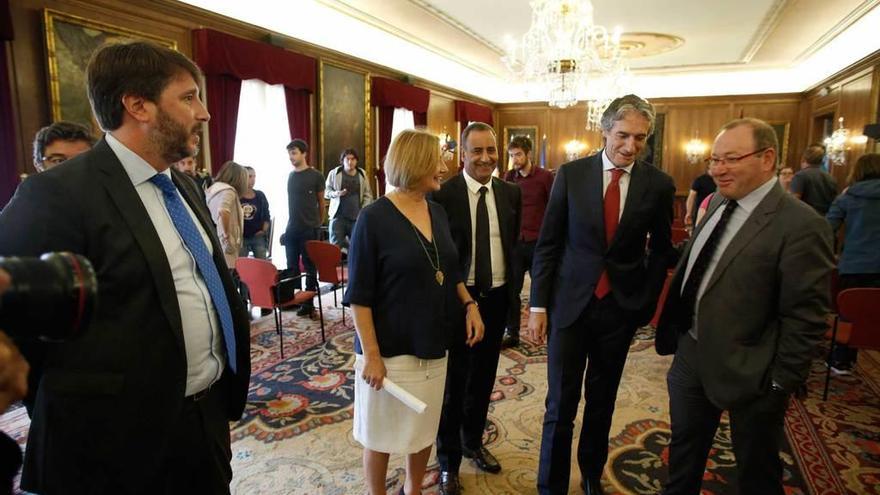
(763, 311)
(107, 401)
(453, 196)
(572, 251)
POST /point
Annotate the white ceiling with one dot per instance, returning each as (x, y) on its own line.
(730, 47)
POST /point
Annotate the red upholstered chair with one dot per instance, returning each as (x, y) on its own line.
(267, 291)
(859, 307)
(327, 258)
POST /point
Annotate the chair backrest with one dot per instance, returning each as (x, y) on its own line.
(260, 276)
(679, 235)
(861, 307)
(327, 258)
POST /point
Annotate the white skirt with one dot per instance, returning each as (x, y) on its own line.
(384, 424)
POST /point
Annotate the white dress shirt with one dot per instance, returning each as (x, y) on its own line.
(744, 208)
(496, 249)
(607, 167)
(202, 335)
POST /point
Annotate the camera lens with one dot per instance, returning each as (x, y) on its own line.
(51, 298)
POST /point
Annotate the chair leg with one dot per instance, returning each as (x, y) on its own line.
(830, 354)
(277, 311)
(321, 314)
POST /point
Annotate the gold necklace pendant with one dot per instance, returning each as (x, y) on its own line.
(439, 276)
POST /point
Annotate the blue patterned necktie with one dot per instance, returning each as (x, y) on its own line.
(193, 240)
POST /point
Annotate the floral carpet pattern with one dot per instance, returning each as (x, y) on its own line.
(295, 437)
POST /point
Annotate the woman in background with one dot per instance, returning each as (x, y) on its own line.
(405, 291)
(223, 201)
(786, 174)
(858, 207)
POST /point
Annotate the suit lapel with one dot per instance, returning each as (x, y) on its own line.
(756, 222)
(121, 191)
(639, 182)
(596, 196)
(463, 207)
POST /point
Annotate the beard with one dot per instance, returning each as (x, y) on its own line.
(171, 139)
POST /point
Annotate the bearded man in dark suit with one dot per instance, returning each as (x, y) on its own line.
(597, 275)
(140, 403)
(745, 311)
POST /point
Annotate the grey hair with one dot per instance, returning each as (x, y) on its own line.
(618, 109)
(762, 133)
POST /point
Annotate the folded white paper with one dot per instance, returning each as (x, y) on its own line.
(402, 395)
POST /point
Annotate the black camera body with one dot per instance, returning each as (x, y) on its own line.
(52, 297)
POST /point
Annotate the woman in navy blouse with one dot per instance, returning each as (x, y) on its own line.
(405, 291)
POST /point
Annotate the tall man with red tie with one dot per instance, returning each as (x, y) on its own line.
(599, 265)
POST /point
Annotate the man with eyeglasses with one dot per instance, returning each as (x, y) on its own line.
(59, 142)
(745, 311)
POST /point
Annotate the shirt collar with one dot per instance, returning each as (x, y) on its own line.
(607, 164)
(138, 170)
(473, 185)
(750, 201)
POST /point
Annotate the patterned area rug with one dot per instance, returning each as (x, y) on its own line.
(296, 438)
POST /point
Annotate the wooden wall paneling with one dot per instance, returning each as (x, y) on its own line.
(681, 122)
(857, 110)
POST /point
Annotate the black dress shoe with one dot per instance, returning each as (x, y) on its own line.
(509, 341)
(592, 487)
(483, 459)
(305, 310)
(449, 484)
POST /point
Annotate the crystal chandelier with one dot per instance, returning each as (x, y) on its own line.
(836, 144)
(562, 49)
(603, 90)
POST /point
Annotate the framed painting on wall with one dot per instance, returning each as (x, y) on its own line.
(344, 112)
(70, 42)
(782, 129)
(531, 131)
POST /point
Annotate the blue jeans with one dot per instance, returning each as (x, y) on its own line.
(258, 245)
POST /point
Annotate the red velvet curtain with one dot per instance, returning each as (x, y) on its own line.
(299, 113)
(223, 97)
(8, 166)
(227, 60)
(388, 94)
(466, 111)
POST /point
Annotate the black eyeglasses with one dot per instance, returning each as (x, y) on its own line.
(712, 161)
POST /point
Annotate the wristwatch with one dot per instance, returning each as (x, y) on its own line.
(468, 303)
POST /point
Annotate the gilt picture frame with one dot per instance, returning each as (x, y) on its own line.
(70, 42)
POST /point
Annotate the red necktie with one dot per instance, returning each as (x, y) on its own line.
(612, 217)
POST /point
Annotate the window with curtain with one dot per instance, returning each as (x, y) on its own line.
(261, 142)
(403, 119)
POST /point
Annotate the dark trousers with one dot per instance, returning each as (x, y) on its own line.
(602, 334)
(470, 378)
(295, 248)
(197, 461)
(522, 263)
(755, 427)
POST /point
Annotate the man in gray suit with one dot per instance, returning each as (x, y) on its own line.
(745, 312)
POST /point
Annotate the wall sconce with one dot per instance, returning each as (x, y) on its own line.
(695, 150)
(836, 144)
(573, 149)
